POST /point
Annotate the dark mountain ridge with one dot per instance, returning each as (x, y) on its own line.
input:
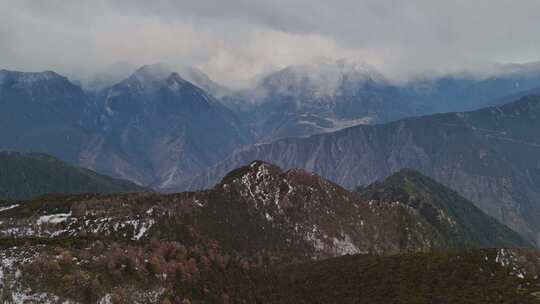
(25, 175)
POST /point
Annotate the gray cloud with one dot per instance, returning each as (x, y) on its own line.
(234, 40)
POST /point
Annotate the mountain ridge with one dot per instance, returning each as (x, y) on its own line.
(25, 175)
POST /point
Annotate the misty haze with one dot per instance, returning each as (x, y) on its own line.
(183, 152)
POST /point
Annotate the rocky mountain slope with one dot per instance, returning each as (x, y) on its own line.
(45, 112)
(161, 129)
(226, 244)
(490, 156)
(25, 175)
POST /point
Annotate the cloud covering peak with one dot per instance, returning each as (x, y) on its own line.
(234, 40)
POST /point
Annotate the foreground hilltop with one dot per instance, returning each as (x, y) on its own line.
(261, 207)
(93, 271)
(223, 243)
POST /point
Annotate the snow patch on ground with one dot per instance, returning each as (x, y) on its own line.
(507, 259)
(345, 246)
(8, 207)
(107, 299)
(313, 238)
(143, 229)
(53, 218)
(11, 287)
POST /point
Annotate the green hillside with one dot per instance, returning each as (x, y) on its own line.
(25, 175)
(457, 221)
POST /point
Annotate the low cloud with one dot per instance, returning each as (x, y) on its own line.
(235, 40)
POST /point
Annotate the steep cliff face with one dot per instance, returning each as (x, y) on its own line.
(490, 156)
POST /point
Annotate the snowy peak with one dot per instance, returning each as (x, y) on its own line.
(147, 78)
(28, 79)
(203, 81)
(255, 171)
(264, 178)
(299, 101)
(155, 76)
(321, 78)
(152, 72)
(175, 83)
(336, 221)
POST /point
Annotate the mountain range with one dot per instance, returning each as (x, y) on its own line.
(153, 128)
(159, 128)
(323, 97)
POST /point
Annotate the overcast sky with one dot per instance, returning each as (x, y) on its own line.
(233, 40)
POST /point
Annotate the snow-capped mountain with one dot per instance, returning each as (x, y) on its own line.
(159, 127)
(164, 128)
(316, 98)
(328, 96)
